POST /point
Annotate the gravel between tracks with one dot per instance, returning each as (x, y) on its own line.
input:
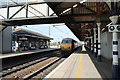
(26, 71)
(21, 66)
(48, 70)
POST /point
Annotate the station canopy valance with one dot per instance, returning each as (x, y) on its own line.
(29, 33)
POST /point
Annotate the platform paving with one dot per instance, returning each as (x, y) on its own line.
(78, 65)
(17, 53)
(104, 67)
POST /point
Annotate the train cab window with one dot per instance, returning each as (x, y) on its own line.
(66, 41)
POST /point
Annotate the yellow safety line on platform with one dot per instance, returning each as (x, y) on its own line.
(79, 68)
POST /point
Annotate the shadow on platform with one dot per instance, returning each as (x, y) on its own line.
(104, 67)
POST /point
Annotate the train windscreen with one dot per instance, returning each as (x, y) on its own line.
(66, 41)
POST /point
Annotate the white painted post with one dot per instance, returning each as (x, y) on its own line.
(115, 65)
(99, 44)
(92, 34)
(91, 44)
(94, 41)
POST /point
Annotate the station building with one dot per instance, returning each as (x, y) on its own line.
(28, 40)
(6, 40)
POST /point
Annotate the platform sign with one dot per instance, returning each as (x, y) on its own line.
(23, 38)
(114, 28)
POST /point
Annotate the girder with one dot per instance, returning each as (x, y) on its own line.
(72, 14)
(78, 12)
(25, 10)
(47, 20)
(21, 4)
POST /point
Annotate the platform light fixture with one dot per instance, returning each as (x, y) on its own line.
(118, 27)
(114, 28)
(111, 28)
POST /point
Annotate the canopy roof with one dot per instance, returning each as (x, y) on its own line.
(25, 32)
(80, 17)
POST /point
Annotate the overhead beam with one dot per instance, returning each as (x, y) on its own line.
(21, 4)
(17, 12)
(88, 8)
(17, 22)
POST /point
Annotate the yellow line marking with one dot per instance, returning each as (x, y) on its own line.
(79, 68)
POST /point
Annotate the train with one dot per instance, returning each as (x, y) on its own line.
(68, 45)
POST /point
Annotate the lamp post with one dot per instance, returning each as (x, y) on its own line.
(49, 36)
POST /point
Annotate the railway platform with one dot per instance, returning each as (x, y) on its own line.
(14, 59)
(80, 65)
(25, 52)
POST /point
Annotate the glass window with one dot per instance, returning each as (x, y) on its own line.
(66, 41)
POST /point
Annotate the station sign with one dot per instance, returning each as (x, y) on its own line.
(23, 38)
(114, 28)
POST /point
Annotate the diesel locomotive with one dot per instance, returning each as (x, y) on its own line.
(68, 45)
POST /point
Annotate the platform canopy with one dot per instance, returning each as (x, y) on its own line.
(79, 15)
(85, 14)
(29, 33)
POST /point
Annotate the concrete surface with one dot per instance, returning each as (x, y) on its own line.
(77, 65)
(24, 53)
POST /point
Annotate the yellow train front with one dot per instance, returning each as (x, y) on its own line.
(68, 45)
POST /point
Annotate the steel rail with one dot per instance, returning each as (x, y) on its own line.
(40, 70)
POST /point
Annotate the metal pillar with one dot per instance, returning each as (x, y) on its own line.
(92, 41)
(95, 42)
(114, 19)
(115, 65)
(99, 44)
(47, 10)
(49, 36)
(91, 44)
(89, 30)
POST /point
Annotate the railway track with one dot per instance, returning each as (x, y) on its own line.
(31, 69)
(33, 74)
(17, 68)
(10, 62)
(27, 64)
